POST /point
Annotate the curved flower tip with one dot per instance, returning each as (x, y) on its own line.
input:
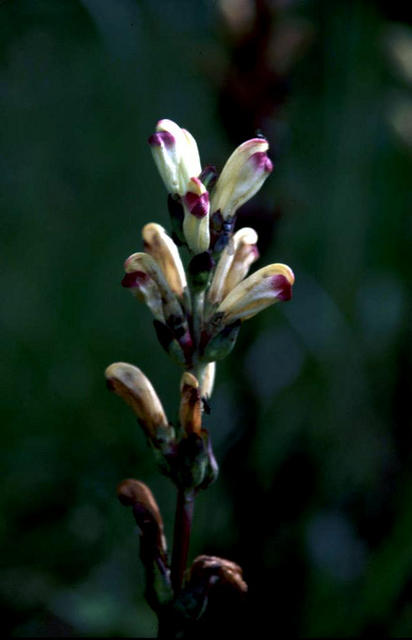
(205, 568)
(176, 155)
(143, 287)
(130, 383)
(136, 494)
(241, 177)
(161, 247)
(156, 290)
(265, 287)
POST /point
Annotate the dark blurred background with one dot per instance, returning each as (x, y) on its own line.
(311, 413)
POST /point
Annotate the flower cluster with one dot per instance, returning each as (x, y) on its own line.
(197, 311)
(203, 209)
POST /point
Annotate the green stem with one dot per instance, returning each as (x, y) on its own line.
(198, 301)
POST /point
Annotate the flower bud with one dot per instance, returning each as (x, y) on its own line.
(241, 177)
(131, 492)
(161, 247)
(196, 220)
(190, 413)
(145, 289)
(265, 287)
(153, 548)
(143, 262)
(216, 569)
(128, 382)
(234, 264)
(176, 155)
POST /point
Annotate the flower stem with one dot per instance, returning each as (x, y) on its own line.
(181, 540)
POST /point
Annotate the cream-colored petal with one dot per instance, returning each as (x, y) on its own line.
(130, 383)
(241, 177)
(231, 255)
(208, 380)
(142, 261)
(190, 412)
(162, 248)
(263, 288)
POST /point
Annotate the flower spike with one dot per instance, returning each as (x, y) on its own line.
(241, 177)
(263, 288)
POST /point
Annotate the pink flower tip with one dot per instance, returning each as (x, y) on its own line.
(283, 287)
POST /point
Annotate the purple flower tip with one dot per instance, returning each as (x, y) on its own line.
(162, 138)
(197, 205)
(283, 288)
(134, 279)
(261, 161)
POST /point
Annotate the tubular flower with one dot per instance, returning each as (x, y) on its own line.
(144, 263)
(130, 383)
(234, 263)
(196, 220)
(162, 248)
(176, 156)
(241, 177)
(190, 413)
(265, 287)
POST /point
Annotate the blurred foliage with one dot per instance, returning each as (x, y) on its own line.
(311, 417)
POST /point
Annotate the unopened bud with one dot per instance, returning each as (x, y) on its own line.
(265, 287)
(241, 177)
(136, 494)
(128, 382)
(196, 220)
(153, 549)
(222, 344)
(143, 262)
(190, 413)
(224, 571)
(162, 248)
(145, 289)
(176, 155)
(233, 264)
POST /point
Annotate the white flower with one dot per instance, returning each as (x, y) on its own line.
(162, 248)
(263, 288)
(234, 263)
(176, 155)
(241, 177)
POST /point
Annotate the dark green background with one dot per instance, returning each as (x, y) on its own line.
(311, 413)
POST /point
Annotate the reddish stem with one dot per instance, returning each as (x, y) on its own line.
(181, 540)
